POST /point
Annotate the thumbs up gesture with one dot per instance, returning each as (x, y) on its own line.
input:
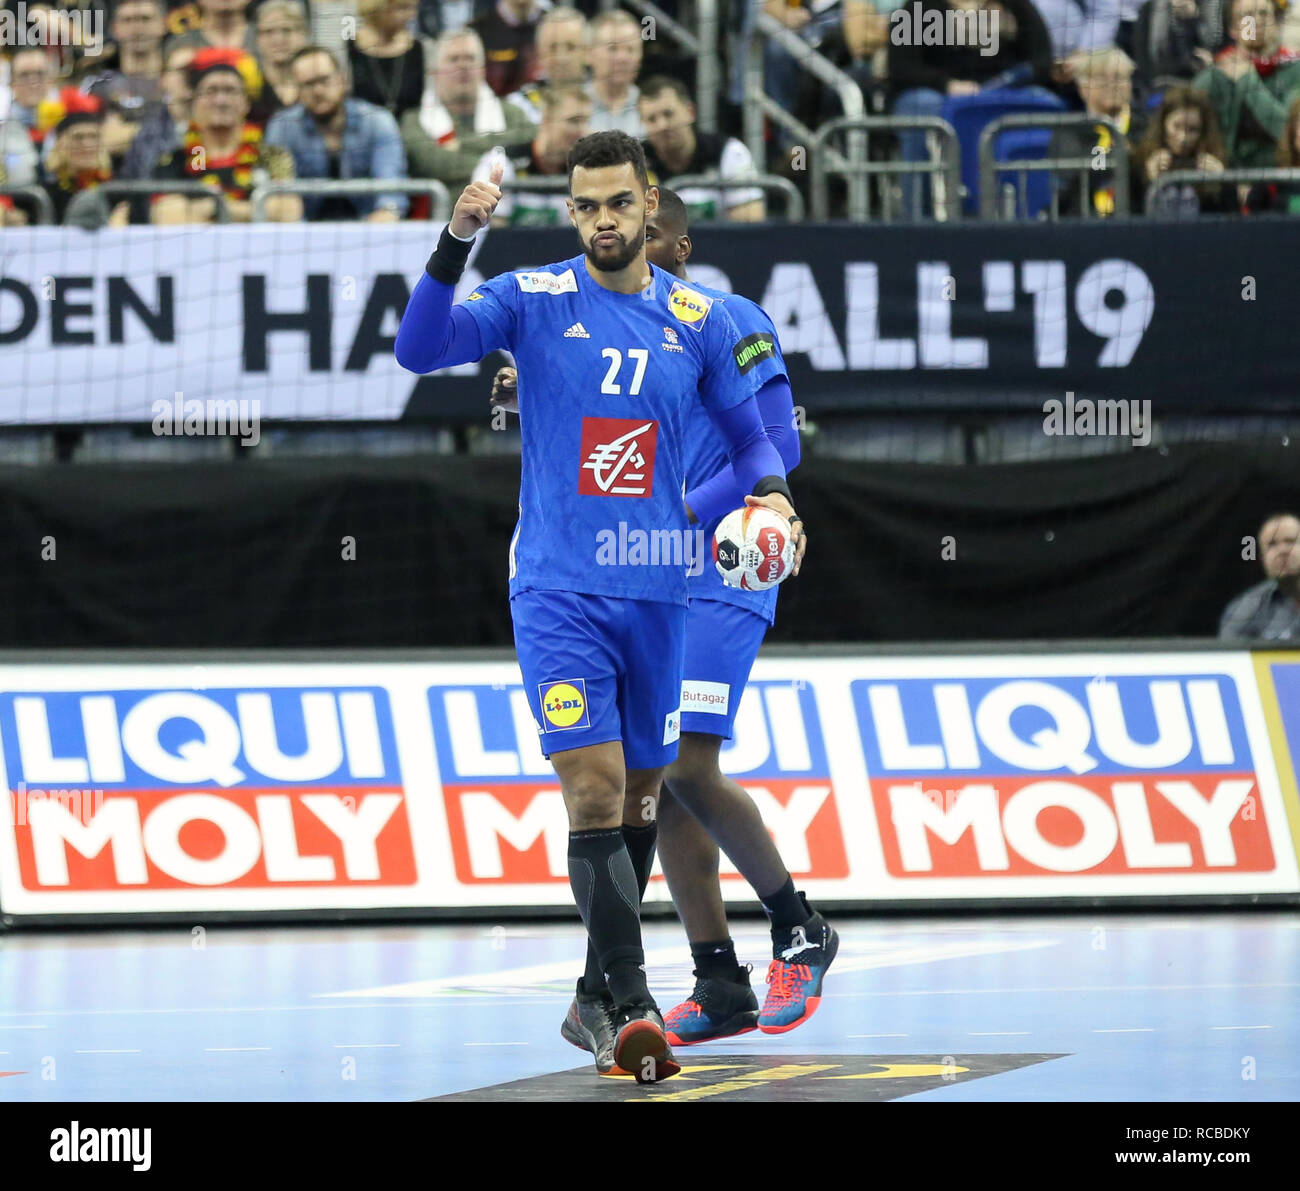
(473, 210)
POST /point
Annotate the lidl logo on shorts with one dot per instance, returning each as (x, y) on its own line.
(689, 306)
(564, 704)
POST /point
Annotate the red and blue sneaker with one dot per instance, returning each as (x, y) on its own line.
(794, 978)
(715, 1009)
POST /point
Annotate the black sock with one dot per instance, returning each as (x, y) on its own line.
(716, 960)
(604, 886)
(641, 851)
(785, 907)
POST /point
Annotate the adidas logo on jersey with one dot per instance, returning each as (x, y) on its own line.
(577, 331)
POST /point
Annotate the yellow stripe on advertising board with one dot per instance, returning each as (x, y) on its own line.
(1283, 759)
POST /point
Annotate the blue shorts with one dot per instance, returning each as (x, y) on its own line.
(722, 642)
(598, 669)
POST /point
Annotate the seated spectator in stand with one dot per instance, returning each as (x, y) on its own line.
(162, 128)
(1079, 25)
(924, 76)
(566, 119)
(31, 76)
(1183, 135)
(509, 33)
(1105, 81)
(1281, 198)
(389, 63)
(810, 21)
(460, 118)
(223, 150)
(78, 163)
(561, 58)
(615, 57)
(332, 136)
(674, 148)
(1270, 611)
(1251, 85)
(224, 25)
(128, 79)
(281, 32)
(859, 46)
(1176, 39)
(437, 17)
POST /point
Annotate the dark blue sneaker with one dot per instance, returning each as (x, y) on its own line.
(794, 977)
(715, 1009)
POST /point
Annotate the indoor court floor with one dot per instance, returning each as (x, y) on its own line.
(1199, 1006)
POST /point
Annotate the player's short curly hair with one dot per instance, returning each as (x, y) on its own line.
(600, 149)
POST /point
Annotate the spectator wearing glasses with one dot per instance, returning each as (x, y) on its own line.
(566, 119)
(78, 164)
(32, 84)
(562, 53)
(460, 118)
(1251, 84)
(1270, 611)
(333, 136)
(389, 63)
(281, 27)
(224, 150)
(674, 148)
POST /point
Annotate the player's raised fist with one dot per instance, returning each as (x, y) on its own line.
(473, 210)
(505, 390)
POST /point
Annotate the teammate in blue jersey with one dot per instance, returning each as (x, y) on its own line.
(701, 807)
(615, 355)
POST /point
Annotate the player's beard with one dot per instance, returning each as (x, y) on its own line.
(616, 258)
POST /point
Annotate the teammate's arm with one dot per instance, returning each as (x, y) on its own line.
(433, 334)
(720, 493)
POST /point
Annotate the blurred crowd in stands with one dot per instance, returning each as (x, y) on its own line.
(229, 93)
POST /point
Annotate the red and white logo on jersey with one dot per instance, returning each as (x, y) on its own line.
(618, 457)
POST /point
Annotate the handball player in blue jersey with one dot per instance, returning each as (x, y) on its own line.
(701, 807)
(614, 356)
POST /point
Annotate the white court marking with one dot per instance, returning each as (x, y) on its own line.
(549, 973)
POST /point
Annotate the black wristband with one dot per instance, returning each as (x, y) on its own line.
(448, 260)
(769, 484)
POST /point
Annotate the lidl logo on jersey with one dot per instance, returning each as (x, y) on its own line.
(618, 457)
(547, 283)
(505, 812)
(1063, 774)
(564, 704)
(689, 305)
(235, 789)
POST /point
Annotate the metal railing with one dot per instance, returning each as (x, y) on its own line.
(794, 204)
(990, 167)
(44, 208)
(702, 45)
(1230, 177)
(758, 104)
(440, 206)
(946, 170)
(166, 186)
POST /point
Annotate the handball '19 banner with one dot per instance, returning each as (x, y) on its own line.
(301, 318)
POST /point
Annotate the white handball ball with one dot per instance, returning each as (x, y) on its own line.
(753, 548)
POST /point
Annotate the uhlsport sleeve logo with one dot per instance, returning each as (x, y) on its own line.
(688, 305)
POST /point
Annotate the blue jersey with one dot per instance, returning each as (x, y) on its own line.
(759, 357)
(607, 384)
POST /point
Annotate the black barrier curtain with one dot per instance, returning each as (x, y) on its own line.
(413, 552)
